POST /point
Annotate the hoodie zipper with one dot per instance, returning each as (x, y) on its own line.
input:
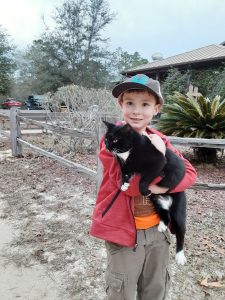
(135, 243)
(111, 202)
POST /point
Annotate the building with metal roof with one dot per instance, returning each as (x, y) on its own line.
(202, 58)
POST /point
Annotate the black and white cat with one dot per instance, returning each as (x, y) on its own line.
(137, 154)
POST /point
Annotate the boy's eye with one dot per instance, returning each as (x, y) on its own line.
(146, 104)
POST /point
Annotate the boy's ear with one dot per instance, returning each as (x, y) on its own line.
(157, 109)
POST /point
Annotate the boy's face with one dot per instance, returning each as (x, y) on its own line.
(138, 109)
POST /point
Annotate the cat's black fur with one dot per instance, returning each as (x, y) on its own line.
(149, 162)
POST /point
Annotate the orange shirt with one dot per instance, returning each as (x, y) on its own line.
(145, 215)
(146, 222)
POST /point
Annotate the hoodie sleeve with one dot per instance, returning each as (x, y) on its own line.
(190, 174)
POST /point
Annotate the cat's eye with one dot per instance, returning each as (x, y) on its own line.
(115, 140)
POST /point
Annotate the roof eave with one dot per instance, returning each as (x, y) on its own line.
(165, 67)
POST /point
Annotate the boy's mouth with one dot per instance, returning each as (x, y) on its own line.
(135, 119)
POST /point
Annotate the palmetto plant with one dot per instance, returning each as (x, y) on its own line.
(190, 117)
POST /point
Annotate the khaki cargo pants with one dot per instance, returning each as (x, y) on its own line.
(143, 274)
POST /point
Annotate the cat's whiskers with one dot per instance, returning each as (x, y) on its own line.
(115, 151)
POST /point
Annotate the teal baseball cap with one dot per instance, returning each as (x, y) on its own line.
(139, 81)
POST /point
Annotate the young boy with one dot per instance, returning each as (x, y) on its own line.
(137, 253)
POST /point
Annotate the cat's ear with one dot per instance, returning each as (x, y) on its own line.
(127, 128)
(108, 125)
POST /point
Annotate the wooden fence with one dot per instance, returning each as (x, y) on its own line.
(15, 136)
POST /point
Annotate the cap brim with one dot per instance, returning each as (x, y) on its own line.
(125, 86)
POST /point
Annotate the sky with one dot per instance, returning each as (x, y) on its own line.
(147, 26)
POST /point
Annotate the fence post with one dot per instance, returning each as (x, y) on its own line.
(15, 132)
(99, 134)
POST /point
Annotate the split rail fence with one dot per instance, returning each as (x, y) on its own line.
(17, 116)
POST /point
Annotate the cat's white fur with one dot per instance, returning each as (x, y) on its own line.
(125, 186)
(180, 258)
(165, 201)
(162, 226)
(124, 155)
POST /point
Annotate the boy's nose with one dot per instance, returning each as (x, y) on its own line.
(136, 110)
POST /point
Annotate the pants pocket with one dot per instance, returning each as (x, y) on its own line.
(167, 283)
(167, 235)
(113, 248)
(114, 286)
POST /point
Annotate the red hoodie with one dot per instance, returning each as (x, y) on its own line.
(113, 218)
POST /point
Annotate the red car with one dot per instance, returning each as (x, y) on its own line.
(11, 102)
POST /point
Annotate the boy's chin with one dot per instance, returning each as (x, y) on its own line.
(138, 128)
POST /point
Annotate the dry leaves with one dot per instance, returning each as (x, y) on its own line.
(207, 243)
(213, 284)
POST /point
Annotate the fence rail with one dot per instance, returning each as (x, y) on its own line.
(6, 134)
(68, 163)
(4, 116)
(197, 142)
(17, 142)
(60, 130)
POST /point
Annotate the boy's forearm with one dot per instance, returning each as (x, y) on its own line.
(188, 180)
(190, 174)
(156, 189)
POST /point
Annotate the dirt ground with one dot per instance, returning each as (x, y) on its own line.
(46, 252)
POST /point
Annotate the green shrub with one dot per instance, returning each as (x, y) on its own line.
(174, 81)
(210, 82)
(189, 117)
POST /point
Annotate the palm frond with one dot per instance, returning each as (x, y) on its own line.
(187, 116)
(215, 105)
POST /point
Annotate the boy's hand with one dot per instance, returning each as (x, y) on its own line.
(155, 189)
(157, 142)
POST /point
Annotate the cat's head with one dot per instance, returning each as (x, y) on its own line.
(118, 138)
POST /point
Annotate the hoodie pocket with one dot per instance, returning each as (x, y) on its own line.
(111, 203)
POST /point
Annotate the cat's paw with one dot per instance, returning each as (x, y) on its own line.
(180, 258)
(125, 186)
(162, 227)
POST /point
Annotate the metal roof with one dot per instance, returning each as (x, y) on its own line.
(208, 53)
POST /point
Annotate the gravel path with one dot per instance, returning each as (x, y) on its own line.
(46, 252)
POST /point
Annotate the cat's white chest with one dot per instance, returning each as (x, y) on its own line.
(124, 155)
